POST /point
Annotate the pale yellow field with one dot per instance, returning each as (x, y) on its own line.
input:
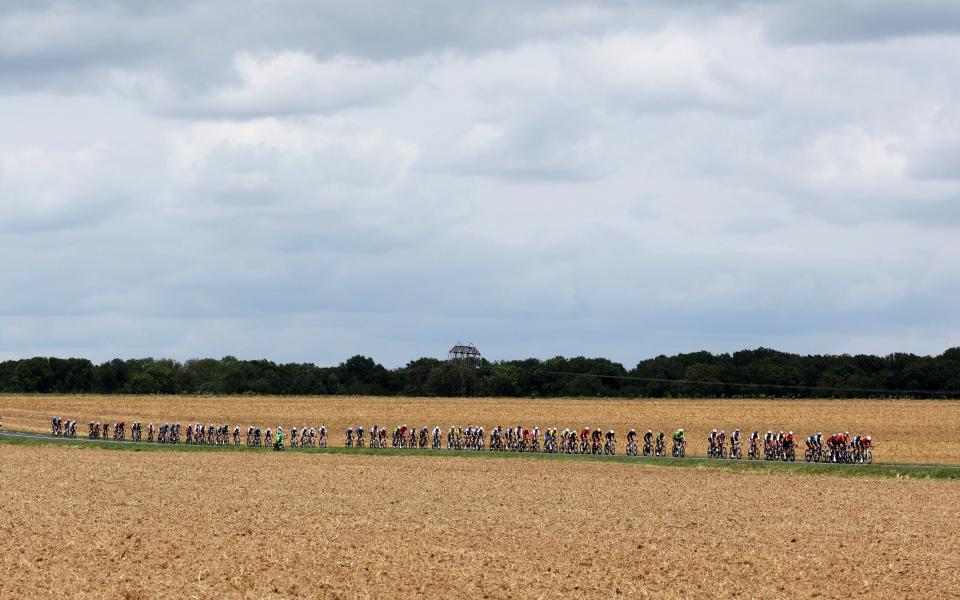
(87, 522)
(903, 430)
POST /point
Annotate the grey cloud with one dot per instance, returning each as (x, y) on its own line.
(859, 20)
(943, 213)
(621, 179)
(63, 45)
(940, 161)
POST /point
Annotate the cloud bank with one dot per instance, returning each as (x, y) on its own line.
(307, 181)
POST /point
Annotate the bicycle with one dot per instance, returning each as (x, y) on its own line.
(736, 452)
(679, 449)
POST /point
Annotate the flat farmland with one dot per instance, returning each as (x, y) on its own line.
(926, 431)
(88, 522)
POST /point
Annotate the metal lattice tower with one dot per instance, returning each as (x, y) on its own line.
(466, 357)
(464, 353)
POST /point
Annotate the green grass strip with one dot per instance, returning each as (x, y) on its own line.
(876, 470)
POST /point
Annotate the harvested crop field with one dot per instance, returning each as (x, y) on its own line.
(108, 523)
(903, 430)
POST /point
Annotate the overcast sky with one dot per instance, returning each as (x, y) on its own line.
(308, 181)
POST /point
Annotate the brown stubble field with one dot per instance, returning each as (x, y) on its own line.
(903, 430)
(88, 522)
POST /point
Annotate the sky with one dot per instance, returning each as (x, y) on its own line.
(306, 181)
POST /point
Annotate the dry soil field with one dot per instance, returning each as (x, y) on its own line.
(90, 523)
(903, 430)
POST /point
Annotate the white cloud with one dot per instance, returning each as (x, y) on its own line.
(43, 189)
(297, 83)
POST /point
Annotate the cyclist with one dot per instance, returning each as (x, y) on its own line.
(595, 438)
(679, 442)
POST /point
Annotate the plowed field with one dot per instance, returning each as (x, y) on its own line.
(903, 430)
(92, 523)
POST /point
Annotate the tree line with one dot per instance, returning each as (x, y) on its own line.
(749, 373)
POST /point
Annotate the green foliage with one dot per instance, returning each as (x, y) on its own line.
(699, 374)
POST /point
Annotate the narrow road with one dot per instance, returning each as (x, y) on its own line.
(650, 459)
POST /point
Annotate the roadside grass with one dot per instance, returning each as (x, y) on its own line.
(876, 470)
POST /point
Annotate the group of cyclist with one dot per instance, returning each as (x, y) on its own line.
(513, 439)
(304, 437)
(517, 439)
(96, 431)
(402, 436)
(839, 448)
(835, 448)
(61, 428)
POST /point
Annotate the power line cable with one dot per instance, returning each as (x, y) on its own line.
(761, 385)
